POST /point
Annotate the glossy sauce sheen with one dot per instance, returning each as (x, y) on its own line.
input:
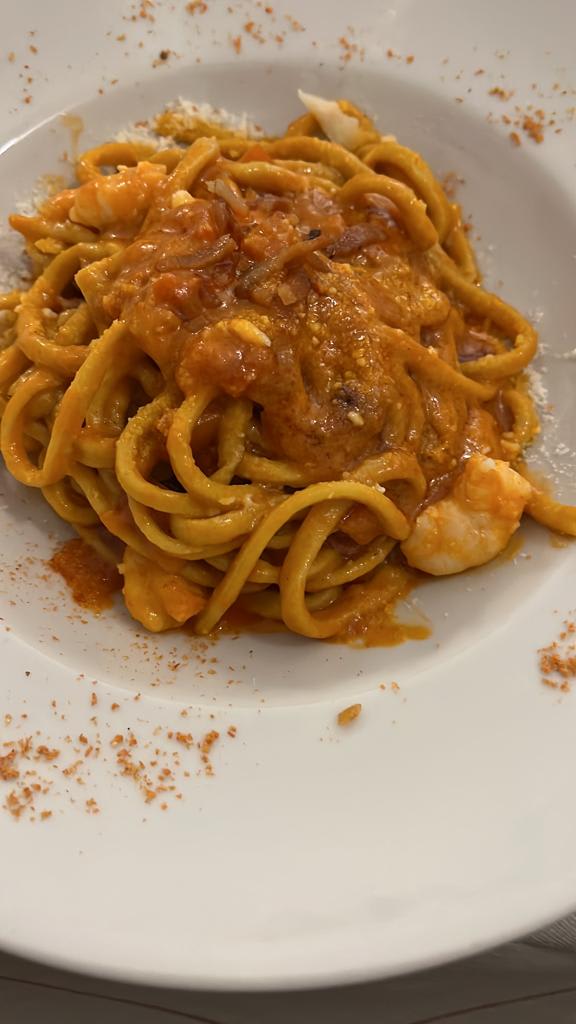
(327, 383)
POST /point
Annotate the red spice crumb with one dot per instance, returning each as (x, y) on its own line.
(93, 700)
(502, 94)
(349, 714)
(144, 11)
(533, 128)
(44, 815)
(479, 71)
(185, 738)
(118, 739)
(197, 7)
(254, 31)
(350, 50)
(16, 803)
(11, 56)
(394, 687)
(557, 661)
(236, 43)
(7, 767)
(44, 753)
(121, 38)
(92, 806)
(114, 707)
(515, 138)
(232, 731)
(205, 747)
(410, 59)
(450, 183)
(208, 741)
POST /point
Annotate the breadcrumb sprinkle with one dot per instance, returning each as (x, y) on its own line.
(348, 715)
(557, 661)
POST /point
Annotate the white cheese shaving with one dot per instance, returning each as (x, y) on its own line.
(337, 126)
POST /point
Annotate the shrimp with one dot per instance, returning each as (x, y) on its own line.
(159, 600)
(122, 197)
(473, 523)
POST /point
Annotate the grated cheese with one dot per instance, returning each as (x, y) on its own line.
(217, 115)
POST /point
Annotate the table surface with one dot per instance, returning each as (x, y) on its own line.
(517, 984)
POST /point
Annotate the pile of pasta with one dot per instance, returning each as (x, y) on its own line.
(243, 368)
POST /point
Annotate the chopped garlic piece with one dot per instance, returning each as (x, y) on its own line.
(181, 197)
(248, 331)
(356, 418)
(337, 126)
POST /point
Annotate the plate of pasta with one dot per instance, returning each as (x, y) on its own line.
(287, 438)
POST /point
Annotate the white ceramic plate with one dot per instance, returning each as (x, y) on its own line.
(442, 820)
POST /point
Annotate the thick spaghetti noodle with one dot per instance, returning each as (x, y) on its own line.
(264, 375)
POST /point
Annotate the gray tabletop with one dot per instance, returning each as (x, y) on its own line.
(517, 984)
